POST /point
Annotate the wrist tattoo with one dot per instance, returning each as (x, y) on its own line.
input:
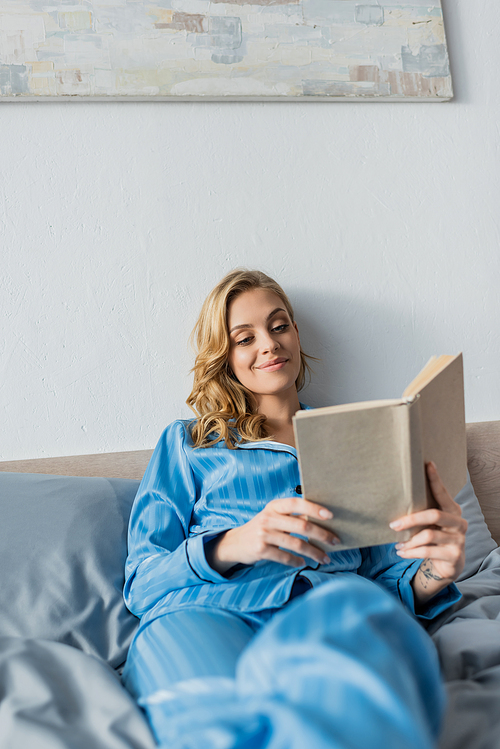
(428, 574)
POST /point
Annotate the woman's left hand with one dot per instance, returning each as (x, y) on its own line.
(439, 540)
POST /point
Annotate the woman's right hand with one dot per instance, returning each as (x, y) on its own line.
(268, 536)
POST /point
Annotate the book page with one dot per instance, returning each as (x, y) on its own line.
(435, 365)
(347, 408)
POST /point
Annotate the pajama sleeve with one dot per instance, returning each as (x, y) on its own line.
(161, 556)
(383, 565)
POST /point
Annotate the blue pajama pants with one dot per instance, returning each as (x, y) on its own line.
(342, 666)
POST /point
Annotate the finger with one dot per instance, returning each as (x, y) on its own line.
(428, 517)
(298, 546)
(276, 554)
(453, 550)
(438, 489)
(300, 506)
(431, 537)
(439, 553)
(303, 526)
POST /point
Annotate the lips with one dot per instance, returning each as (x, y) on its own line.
(272, 364)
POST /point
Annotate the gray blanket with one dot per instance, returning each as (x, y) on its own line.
(54, 696)
(64, 629)
(468, 642)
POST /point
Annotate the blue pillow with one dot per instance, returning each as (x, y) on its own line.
(63, 544)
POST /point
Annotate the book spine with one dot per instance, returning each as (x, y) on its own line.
(419, 484)
(412, 466)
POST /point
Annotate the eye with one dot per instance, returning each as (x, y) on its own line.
(281, 328)
(244, 341)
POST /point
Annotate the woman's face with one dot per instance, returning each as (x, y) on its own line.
(264, 351)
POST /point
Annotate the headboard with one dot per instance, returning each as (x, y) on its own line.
(483, 454)
(483, 458)
(129, 465)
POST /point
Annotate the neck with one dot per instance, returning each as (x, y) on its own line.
(279, 410)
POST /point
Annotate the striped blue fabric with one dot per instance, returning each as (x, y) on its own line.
(340, 666)
(189, 495)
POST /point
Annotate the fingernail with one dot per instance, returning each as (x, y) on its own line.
(326, 559)
(395, 525)
(325, 514)
(400, 546)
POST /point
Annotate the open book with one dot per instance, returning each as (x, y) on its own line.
(366, 461)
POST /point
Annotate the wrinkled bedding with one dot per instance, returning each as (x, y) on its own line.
(468, 643)
(54, 696)
(64, 629)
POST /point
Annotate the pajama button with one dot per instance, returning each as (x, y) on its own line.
(298, 489)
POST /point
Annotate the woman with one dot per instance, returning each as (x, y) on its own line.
(250, 635)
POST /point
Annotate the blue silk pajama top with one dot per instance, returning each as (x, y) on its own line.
(187, 496)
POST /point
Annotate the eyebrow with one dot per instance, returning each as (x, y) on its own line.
(247, 325)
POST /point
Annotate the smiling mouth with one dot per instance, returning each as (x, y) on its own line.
(272, 365)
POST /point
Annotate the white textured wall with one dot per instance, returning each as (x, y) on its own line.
(381, 220)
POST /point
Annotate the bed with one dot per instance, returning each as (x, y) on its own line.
(64, 631)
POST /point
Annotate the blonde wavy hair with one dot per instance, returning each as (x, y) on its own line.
(223, 406)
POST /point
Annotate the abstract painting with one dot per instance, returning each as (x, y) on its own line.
(309, 50)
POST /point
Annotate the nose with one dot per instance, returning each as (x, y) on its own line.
(269, 344)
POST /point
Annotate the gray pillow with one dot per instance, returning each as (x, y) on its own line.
(478, 540)
(62, 553)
